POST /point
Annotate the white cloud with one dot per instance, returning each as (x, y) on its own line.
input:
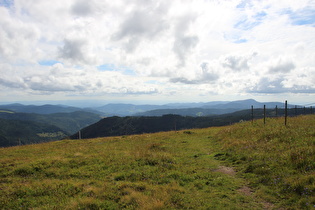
(188, 47)
(282, 67)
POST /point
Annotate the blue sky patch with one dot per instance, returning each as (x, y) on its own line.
(245, 24)
(239, 41)
(112, 67)
(242, 5)
(260, 15)
(129, 72)
(48, 62)
(301, 17)
(106, 67)
(249, 23)
(6, 3)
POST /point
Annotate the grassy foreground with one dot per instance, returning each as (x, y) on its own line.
(274, 167)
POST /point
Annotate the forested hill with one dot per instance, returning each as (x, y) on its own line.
(29, 128)
(17, 132)
(117, 126)
(69, 122)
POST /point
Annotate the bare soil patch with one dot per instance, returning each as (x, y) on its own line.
(226, 170)
(245, 190)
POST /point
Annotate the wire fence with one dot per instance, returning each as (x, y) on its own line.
(281, 111)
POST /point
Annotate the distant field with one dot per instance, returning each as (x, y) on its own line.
(243, 166)
(7, 111)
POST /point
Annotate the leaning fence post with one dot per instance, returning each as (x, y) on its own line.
(285, 113)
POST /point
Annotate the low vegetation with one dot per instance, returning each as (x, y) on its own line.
(277, 160)
(243, 166)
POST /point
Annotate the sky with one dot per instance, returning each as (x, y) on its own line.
(156, 51)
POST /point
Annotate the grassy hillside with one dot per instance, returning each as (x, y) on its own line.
(277, 160)
(243, 166)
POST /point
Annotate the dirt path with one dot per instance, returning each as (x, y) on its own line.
(245, 190)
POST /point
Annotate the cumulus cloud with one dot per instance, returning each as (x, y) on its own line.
(184, 43)
(237, 62)
(142, 23)
(73, 50)
(18, 40)
(82, 8)
(183, 46)
(279, 85)
(60, 78)
(267, 85)
(11, 83)
(207, 74)
(186, 46)
(282, 67)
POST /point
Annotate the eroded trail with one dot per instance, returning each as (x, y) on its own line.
(244, 190)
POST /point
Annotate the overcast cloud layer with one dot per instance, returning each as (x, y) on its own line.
(157, 50)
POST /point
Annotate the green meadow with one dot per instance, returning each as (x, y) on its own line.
(243, 166)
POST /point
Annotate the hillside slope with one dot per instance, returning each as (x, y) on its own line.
(69, 122)
(243, 166)
(28, 128)
(116, 126)
(16, 132)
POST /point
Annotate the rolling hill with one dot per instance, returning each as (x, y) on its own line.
(243, 166)
(17, 132)
(69, 122)
(116, 126)
(28, 127)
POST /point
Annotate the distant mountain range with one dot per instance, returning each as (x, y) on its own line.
(31, 123)
(44, 109)
(211, 108)
(184, 109)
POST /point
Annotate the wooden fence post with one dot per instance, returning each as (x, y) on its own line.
(79, 134)
(276, 110)
(252, 114)
(264, 114)
(285, 112)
